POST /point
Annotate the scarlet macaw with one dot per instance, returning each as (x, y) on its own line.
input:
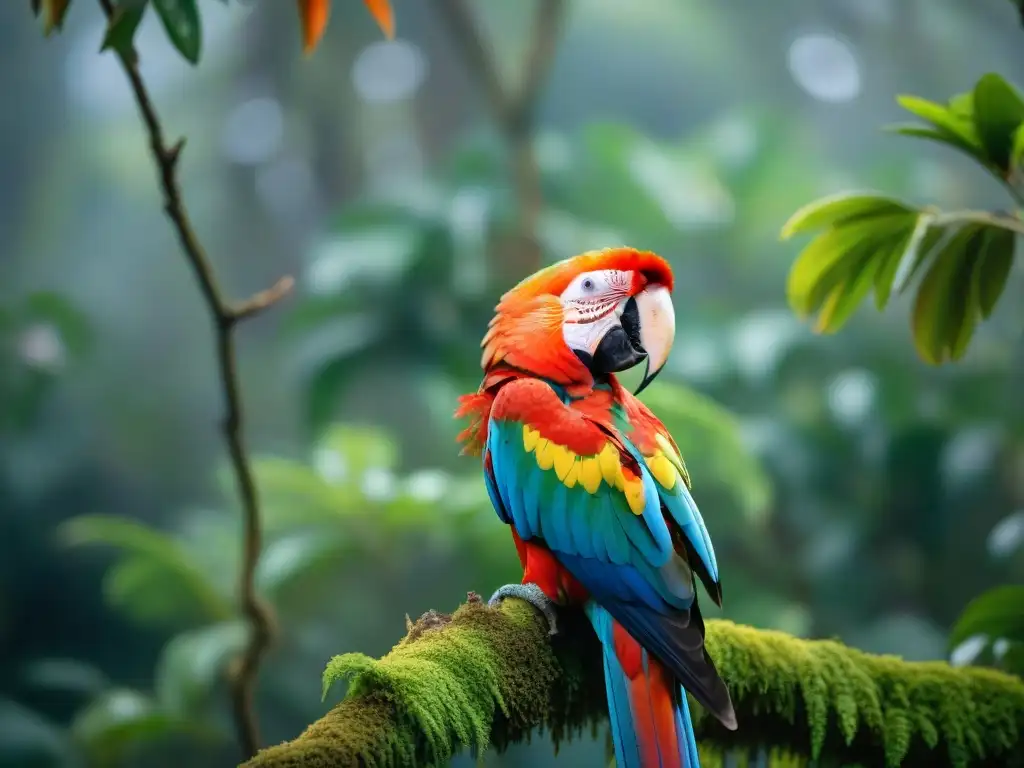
(595, 491)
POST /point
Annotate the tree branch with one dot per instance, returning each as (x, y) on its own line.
(225, 316)
(513, 114)
(987, 218)
(486, 676)
(547, 25)
(477, 59)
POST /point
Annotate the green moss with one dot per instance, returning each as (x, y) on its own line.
(491, 677)
(822, 699)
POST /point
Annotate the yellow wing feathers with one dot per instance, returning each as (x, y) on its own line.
(589, 472)
(666, 463)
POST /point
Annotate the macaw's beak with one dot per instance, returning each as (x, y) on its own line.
(645, 331)
(657, 331)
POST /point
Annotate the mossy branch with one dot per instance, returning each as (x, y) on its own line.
(491, 677)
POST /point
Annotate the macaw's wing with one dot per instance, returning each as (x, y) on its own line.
(673, 483)
(559, 477)
(661, 456)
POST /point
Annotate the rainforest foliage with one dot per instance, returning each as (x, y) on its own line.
(850, 459)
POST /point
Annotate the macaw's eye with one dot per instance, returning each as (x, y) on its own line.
(588, 285)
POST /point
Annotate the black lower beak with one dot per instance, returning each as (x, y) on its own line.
(616, 352)
(620, 349)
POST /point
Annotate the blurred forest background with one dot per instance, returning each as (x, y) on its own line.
(851, 490)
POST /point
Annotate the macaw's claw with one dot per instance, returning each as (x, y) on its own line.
(532, 594)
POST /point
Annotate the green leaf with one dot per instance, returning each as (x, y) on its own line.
(998, 613)
(843, 208)
(962, 105)
(66, 675)
(157, 565)
(293, 566)
(962, 286)
(1017, 156)
(890, 256)
(945, 310)
(847, 295)
(940, 136)
(120, 35)
(998, 114)
(150, 594)
(193, 663)
(294, 494)
(926, 237)
(865, 257)
(122, 719)
(360, 448)
(951, 122)
(828, 259)
(184, 28)
(30, 739)
(992, 269)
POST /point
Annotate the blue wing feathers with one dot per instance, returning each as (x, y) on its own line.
(532, 483)
(579, 525)
(710, 562)
(583, 526)
(495, 496)
(580, 507)
(555, 525)
(683, 508)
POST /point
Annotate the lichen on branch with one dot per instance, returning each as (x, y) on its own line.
(484, 677)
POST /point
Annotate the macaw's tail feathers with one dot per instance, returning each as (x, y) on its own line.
(649, 715)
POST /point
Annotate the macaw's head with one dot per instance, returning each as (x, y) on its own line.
(585, 318)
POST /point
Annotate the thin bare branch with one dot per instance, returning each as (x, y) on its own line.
(263, 300)
(225, 317)
(547, 26)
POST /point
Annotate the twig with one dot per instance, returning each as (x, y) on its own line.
(225, 316)
(987, 218)
(514, 114)
(1011, 188)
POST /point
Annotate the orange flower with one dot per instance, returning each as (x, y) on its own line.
(314, 13)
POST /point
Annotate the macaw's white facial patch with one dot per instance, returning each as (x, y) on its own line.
(592, 305)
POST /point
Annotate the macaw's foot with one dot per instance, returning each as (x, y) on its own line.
(532, 594)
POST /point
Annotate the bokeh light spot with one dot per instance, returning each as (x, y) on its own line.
(386, 71)
(825, 67)
(253, 131)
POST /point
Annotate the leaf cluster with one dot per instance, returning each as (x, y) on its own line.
(182, 22)
(959, 262)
